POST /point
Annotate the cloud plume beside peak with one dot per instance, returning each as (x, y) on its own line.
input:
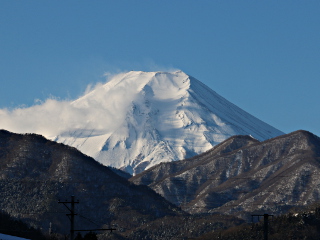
(58, 117)
(100, 110)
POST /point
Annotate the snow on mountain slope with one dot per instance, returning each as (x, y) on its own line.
(139, 119)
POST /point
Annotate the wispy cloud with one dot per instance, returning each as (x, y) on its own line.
(101, 111)
(45, 118)
(145, 64)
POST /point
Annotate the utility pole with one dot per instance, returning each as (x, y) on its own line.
(265, 223)
(70, 215)
(50, 228)
(265, 226)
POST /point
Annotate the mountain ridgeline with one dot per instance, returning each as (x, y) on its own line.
(119, 158)
(238, 177)
(140, 119)
(241, 176)
(36, 173)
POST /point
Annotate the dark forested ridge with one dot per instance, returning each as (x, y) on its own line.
(297, 224)
(35, 173)
(209, 193)
(15, 227)
(242, 175)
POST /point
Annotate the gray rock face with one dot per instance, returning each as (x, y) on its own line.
(242, 175)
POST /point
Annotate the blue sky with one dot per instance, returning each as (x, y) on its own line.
(263, 56)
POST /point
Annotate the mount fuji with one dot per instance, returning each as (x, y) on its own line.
(139, 119)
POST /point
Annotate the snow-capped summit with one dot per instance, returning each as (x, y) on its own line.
(143, 118)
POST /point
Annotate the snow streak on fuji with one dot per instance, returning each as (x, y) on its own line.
(139, 119)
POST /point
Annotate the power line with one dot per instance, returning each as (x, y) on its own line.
(71, 214)
(88, 220)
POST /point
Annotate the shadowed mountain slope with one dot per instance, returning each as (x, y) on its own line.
(35, 173)
(242, 175)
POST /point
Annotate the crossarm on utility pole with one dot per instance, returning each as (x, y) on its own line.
(70, 215)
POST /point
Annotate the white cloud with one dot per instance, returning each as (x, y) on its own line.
(49, 118)
(101, 112)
